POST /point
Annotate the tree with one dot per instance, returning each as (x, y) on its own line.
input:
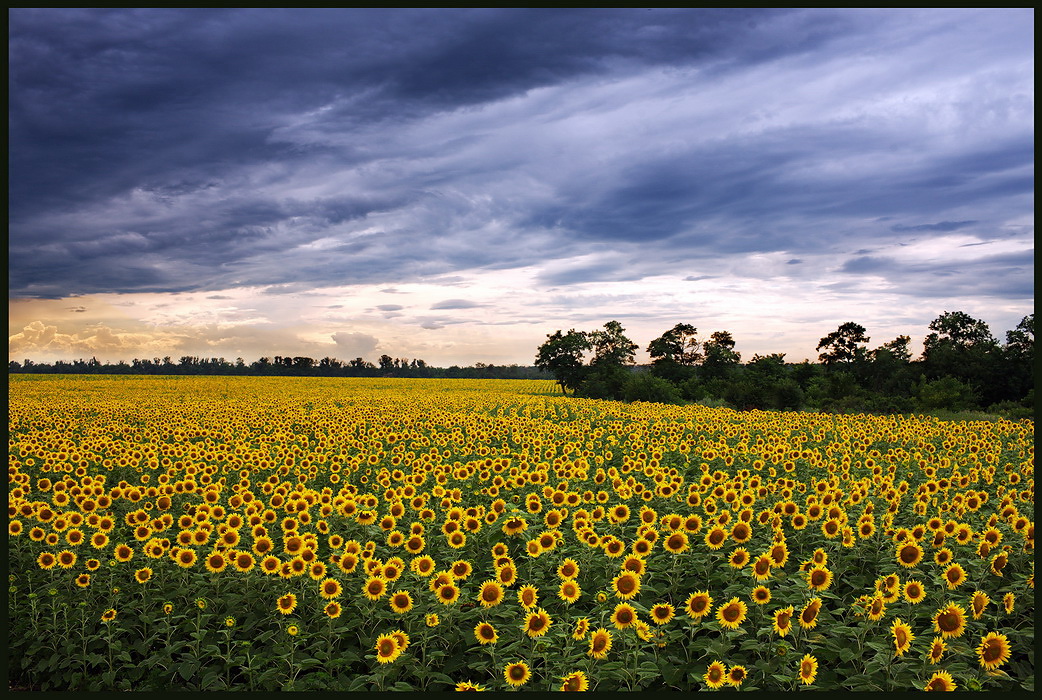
(611, 347)
(958, 330)
(386, 362)
(678, 345)
(1020, 342)
(963, 347)
(719, 356)
(843, 345)
(562, 356)
(674, 353)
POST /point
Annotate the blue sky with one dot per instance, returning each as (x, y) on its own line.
(455, 184)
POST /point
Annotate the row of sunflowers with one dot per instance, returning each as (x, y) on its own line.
(265, 533)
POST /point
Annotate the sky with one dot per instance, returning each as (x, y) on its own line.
(454, 185)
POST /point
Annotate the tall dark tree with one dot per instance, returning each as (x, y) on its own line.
(562, 356)
(611, 347)
(719, 357)
(675, 352)
(962, 347)
(679, 344)
(843, 345)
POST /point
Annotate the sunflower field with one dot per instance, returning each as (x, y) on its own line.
(218, 533)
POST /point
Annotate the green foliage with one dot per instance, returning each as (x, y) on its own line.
(946, 392)
(647, 387)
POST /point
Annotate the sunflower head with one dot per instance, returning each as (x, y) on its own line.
(993, 650)
(516, 674)
(808, 669)
(940, 681)
(715, 675)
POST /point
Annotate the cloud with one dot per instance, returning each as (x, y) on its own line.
(276, 155)
(354, 344)
(940, 226)
(454, 304)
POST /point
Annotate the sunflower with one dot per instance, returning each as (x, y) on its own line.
(762, 567)
(941, 680)
(731, 614)
(66, 559)
(819, 578)
(46, 560)
(332, 610)
(716, 675)
(143, 575)
(431, 620)
(93, 564)
(421, 566)
(623, 616)
(485, 633)
(516, 674)
(761, 595)
(909, 554)
(506, 575)
(600, 643)
(528, 596)
(715, 538)
(582, 627)
(950, 621)
(677, 542)
(699, 604)
(914, 592)
(575, 681)
(83, 580)
(937, 649)
(809, 615)
(569, 591)
(461, 569)
(374, 588)
(954, 576)
(993, 650)
(185, 558)
(782, 621)
(537, 623)
(779, 554)
(387, 649)
(903, 637)
(109, 615)
(467, 686)
(287, 604)
(215, 562)
(1008, 602)
(626, 585)
(447, 594)
(736, 675)
(401, 602)
(738, 558)
(808, 669)
(876, 607)
(998, 563)
(490, 594)
(569, 568)
(662, 613)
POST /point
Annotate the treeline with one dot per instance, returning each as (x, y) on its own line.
(280, 366)
(962, 368)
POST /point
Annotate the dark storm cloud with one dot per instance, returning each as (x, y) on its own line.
(203, 149)
(1004, 275)
(939, 226)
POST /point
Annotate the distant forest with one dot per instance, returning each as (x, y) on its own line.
(280, 366)
(962, 368)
